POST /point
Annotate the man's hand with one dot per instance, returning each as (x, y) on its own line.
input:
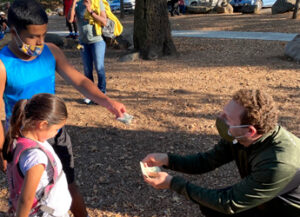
(156, 159)
(116, 108)
(159, 180)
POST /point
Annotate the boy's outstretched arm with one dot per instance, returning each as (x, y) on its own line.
(2, 86)
(83, 84)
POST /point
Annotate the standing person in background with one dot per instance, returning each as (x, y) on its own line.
(91, 17)
(67, 6)
(37, 183)
(3, 22)
(3, 25)
(174, 7)
(181, 6)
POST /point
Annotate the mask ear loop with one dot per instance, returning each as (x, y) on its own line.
(235, 141)
(240, 126)
(17, 34)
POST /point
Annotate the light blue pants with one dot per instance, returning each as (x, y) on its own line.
(94, 54)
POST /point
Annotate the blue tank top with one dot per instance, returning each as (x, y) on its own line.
(27, 78)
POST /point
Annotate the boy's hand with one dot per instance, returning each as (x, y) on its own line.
(116, 108)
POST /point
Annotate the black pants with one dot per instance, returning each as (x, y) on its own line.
(69, 25)
(62, 146)
(174, 7)
(212, 213)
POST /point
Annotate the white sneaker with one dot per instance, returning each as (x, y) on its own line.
(87, 101)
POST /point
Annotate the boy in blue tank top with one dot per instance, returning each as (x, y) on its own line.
(27, 67)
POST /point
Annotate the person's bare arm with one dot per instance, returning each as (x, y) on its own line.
(4, 26)
(99, 18)
(2, 87)
(30, 184)
(71, 14)
(83, 84)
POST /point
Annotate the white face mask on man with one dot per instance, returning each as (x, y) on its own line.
(223, 128)
(235, 140)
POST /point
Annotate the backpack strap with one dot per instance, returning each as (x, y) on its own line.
(25, 144)
(45, 208)
(31, 144)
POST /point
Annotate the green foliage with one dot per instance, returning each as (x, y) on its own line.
(48, 10)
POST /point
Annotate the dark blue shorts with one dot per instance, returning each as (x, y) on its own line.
(62, 146)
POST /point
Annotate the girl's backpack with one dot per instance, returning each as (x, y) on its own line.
(16, 178)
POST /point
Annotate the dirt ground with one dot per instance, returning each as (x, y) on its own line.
(174, 102)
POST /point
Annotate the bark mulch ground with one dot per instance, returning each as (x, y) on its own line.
(174, 101)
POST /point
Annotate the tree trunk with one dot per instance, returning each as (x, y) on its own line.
(152, 32)
(295, 14)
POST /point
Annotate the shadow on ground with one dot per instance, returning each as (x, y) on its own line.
(108, 171)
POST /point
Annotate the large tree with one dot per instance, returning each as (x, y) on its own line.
(152, 32)
(295, 14)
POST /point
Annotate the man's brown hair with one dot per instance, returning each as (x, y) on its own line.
(260, 109)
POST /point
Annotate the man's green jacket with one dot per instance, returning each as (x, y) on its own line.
(269, 168)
